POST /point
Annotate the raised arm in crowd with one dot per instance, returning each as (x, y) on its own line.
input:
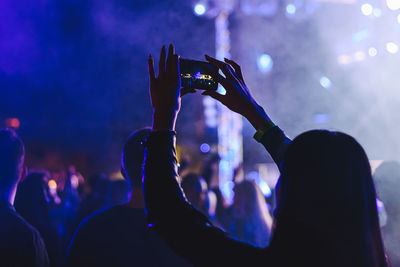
(326, 213)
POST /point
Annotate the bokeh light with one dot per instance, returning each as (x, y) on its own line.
(265, 63)
(367, 9)
(392, 47)
(200, 9)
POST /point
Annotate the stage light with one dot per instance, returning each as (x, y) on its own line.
(52, 185)
(13, 123)
(290, 9)
(205, 148)
(367, 9)
(392, 47)
(265, 63)
(372, 51)
(200, 9)
(325, 82)
(393, 4)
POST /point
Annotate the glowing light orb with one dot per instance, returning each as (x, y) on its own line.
(290, 9)
(392, 47)
(367, 9)
(393, 4)
(372, 51)
(265, 63)
(199, 9)
(325, 82)
(205, 148)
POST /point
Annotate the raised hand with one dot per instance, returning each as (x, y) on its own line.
(165, 89)
(237, 97)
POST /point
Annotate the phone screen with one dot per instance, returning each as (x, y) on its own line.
(197, 74)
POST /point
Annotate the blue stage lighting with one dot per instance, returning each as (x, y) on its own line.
(290, 9)
(325, 82)
(265, 63)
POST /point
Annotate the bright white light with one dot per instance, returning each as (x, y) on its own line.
(265, 63)
(325, 82)
(367, 9)
(392, 47)
(199, 9)
(372, 51)
(359, 56)
(393, 4)
(290, 9)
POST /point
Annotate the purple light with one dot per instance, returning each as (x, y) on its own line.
(205, 148)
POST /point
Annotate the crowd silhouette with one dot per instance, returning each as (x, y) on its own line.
(325, 214)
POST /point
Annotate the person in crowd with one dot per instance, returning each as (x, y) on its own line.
(195, 188)
(119, 236)
(326, 211)
(387, 177)
(20, 243)
(32, 202)
(251, 221)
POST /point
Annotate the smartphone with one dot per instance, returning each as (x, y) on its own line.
(197, 74)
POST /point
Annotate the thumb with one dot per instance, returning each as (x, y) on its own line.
(214, 95)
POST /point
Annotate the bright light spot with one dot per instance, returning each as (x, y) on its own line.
(204, 147)
(372, 51)
(290, 9)
(367, 9)
(13, 123)
(199, 9)
(52, 184)
(393, 4)
(321, 118)
(325, 82)
(344, 59)
(377, 12)
(359, 56)
(392, 47)
(265, 63)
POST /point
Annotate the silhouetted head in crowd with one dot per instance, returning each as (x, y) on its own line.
(195, 188)
(133, 156)
(326, 202)
(12, 170)
(251, 218)
(31, 200)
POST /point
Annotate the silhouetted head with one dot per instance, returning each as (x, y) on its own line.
(12, 153)
(133, 156)
(195, 188)
(327, 201)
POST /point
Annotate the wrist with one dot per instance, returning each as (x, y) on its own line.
(257, 116)
(164, 120)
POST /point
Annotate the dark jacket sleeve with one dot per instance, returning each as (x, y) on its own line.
(185, 229)
(276, 143)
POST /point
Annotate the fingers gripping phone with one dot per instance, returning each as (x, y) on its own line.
(197, 74)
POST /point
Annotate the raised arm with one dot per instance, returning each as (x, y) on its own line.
(239, 99)
(184, 228)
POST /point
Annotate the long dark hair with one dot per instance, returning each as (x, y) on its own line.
(326, 213)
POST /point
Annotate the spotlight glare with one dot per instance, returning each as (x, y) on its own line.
(265, 63)
(325, 82)
(290, 9)
(392, 47)
(372, 51)
(393, 4)
(367, 9)
(199, 9)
